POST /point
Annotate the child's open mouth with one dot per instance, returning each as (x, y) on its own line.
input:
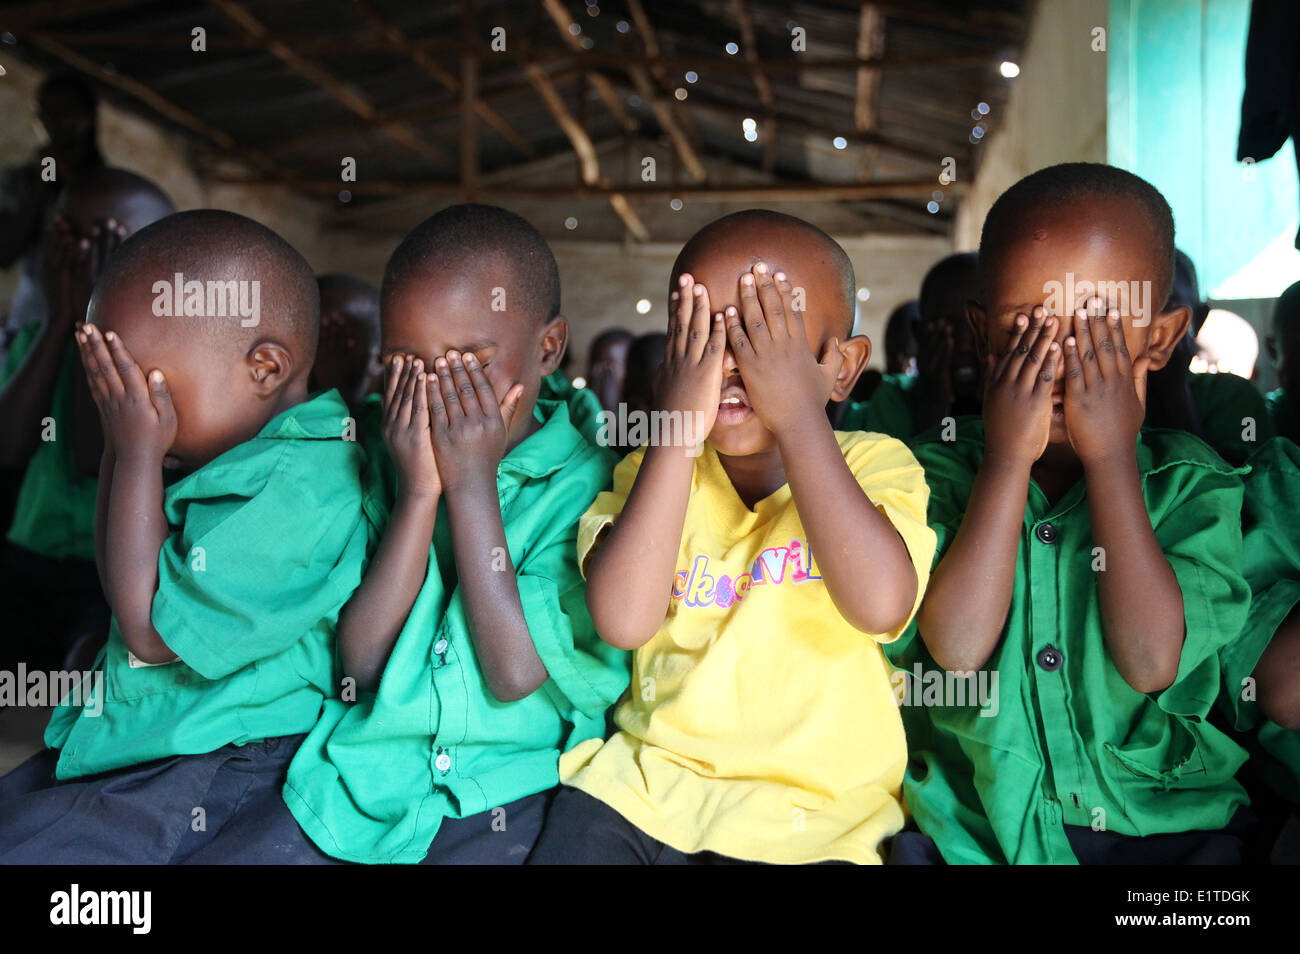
(733, 406)
(1058, 407)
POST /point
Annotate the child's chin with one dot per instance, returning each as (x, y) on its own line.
(742, 440)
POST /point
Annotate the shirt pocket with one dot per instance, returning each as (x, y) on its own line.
(128, 681)
(1173, 760)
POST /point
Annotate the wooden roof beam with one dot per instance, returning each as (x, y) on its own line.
(871, 44)
(345, 95)
(601, 85)
(749, 47)
(663, 110)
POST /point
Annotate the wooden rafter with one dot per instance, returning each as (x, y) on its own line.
(749, 47)
(161, 105)
(584, 149)
(468, 114)
(871, 44)
(555, 9)
(399, 43)
(662, 110)
(345, 95)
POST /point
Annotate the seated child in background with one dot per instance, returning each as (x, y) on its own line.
(644, 359)
(760, 723)
(1261, 692)
(348, 357)
(49, 432)
(1283, 344)
(607, 366)
(900, 364)
(1225, 410)
(947, 382)
(1091, 567)
(225, 585)
(469, 646)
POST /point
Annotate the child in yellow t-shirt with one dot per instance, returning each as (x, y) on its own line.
(755, 574)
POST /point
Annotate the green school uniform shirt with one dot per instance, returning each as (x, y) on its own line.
(1063, 739)
(376, 777)
(1271, 564)
(55, 511)
(1223, 402)
(584, 407)
(266, 544)
(890, 410)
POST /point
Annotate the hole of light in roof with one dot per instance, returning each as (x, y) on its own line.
(345, 195)
(839, 142)
(976, 115)
(579, 383)
(983, 109)
(587, 43)
(978, 132)
(571, 223)
(972, 140)
(593, 10)
(864, 293)
(634, 100)
(749, 122)
(675, 205)
(751, 135)
(732, 49)
(680, 92)
(1009, 69)
(643, 306)
(937, 195)
(932, 207)
(575, 29)
(692, 76)
(622, 26)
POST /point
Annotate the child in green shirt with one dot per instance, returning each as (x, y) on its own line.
(1091, 567)
(1283, 344)
(50, 436)
(225, 584)
(469, 657)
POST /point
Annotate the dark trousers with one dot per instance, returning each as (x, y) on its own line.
(581, 830)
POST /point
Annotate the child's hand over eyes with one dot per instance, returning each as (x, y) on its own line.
(137, 413)
(406, 426)
(1105, 392)
(1018, 390)
(787, 386)
(470, 429)
(690, 379)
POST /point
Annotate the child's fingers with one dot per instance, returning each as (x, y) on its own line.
(406, 399)
(1087, 352)
(464, 386)
(450, 398)
(769, 299)
(751, 313)
(793, 316)
(1020, 345)
(161, 396)
(1123, 360)
(1048, 369)
(510, 405)
(420, 401)
(93, 375)
(831, 362)
(999, 364)
(679, 317)
(133, 382)
(113, 383)
(437, 410)
(487, 399)
(716, 346)
(1140, 369)
(1074, 381)
(736, 336)
(1039, 345)
(1102, 341)
(699, 328)
(392, 380)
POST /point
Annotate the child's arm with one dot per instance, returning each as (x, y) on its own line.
(1277, 674)
(788, 387)
(469, 439)
(965, 606)
(142, 422)
(373, 618)
(629, 582)
(1141, 603)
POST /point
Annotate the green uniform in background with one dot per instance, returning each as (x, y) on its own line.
(1227, 405)
(890, 410)
(1061, 739)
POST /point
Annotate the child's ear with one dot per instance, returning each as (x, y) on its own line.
(1167, 329)
(554, 341)
(978, 321)
(269, 366)
(857, 352)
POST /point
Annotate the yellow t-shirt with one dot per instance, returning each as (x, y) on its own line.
(758, 723)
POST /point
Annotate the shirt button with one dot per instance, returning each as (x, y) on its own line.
(1047, 533)
(440, 646)
(442, 762)
(1050, 658)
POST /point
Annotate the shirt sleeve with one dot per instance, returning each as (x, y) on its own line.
(248, 574)
(586, 675)
(607, 505)
(1199, 531)
(893, 480)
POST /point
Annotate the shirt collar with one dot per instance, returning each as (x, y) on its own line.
(322, 417)
(548, 448)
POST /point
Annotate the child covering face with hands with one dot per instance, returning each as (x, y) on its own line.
(760, 725)
(1091, 565)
